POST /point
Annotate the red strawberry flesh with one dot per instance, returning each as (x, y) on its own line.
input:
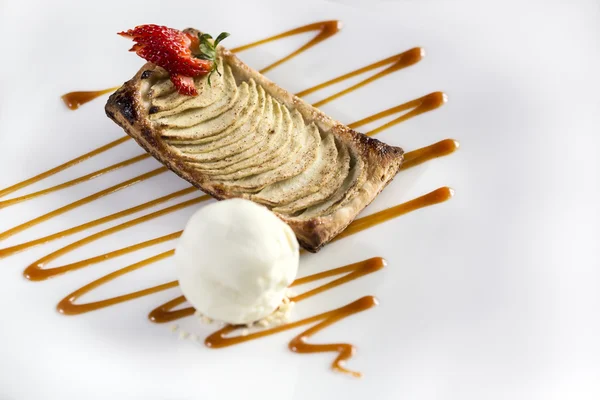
(170, 49)
(184, 84)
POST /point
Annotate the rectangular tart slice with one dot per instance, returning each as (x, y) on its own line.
(244, 136)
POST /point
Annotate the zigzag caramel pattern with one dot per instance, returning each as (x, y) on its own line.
(39, 270)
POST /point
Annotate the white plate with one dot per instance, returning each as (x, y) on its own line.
(490, 295)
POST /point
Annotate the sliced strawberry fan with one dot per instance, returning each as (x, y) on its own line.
(170, 49)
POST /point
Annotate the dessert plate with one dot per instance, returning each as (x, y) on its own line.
(490, 293)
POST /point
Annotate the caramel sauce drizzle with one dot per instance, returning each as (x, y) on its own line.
(68, 307)
(36, 221)
(62, 167)
(418, 106)
(360, 224)
(166, 312)
(26, 245)
(437, 196)
(299, 343)
(74, 100)
(326, 30)
(436, 150)
(398, 61)
(36, 271)
(345, 350)
(73, 182)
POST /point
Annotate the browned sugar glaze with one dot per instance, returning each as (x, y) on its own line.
(36, 271)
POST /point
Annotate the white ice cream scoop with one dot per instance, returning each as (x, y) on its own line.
(235, 260)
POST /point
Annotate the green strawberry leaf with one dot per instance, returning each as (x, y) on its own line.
(208, 51)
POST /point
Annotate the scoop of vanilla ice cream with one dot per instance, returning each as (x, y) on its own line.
(235, 260)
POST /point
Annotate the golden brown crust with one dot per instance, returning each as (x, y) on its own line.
(130, 110)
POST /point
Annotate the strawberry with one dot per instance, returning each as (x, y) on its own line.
(170, 48)
(184, 84)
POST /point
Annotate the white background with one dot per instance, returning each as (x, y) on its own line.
(492, 295)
